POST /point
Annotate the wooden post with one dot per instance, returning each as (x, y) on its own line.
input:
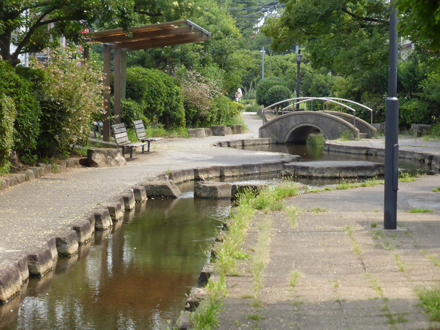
(123, 74)
(107, 72)
(117, 76)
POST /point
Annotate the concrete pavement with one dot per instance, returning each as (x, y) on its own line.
(336, 267)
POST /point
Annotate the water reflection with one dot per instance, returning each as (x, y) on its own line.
(136, 276)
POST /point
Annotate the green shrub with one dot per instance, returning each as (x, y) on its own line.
(53, 118)
(226, 109)
(26, 126)
(130, 110)
(263, 86)
(7, 118)
(159, 96)
(416, 111)
(276, 94)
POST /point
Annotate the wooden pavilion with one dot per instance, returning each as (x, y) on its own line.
(142, 37)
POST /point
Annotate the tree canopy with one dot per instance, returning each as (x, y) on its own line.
(341, 36)
(32, 25)
(421, 21)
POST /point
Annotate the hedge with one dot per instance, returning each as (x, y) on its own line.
(263, 87)
(7, 118)
(27, 125)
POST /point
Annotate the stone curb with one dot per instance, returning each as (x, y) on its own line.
(37, 172)
(245, 143)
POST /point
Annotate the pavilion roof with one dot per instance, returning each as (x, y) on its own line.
(152, 36)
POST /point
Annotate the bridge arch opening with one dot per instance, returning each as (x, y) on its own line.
(299, 134)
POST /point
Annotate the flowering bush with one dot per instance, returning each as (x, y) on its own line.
(198, 98)
(72, 93)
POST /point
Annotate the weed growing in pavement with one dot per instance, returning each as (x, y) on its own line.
(392, 318)
(318, 210)
(374, 284)
(406, 177)
(430, 300)
(400, 264)
(436, 189)
(367, 183)
(294, 278)
(416, 210)
(292, 214)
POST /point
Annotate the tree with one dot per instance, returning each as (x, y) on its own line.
(32, 25)
(421, 21)
(344, 37)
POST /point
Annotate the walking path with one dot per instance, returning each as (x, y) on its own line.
(336, 267)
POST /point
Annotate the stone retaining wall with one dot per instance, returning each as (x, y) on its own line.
(429, 159)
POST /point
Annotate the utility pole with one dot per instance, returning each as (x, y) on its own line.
(392, 132)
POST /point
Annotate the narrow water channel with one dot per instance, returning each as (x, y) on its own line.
(133, 277)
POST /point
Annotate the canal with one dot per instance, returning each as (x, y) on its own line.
(137, 275)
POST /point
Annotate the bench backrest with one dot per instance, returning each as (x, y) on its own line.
(140, 129)
(120, 133)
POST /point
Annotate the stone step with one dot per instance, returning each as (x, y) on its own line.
(362, 135)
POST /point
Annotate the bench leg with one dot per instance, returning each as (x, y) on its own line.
(131, 152)
(148, 146)
(142, 149)
(123, 151)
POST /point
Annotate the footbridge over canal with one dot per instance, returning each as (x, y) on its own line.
(295, 127)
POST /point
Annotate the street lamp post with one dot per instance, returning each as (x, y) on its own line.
(262, 67)
(298, 75)
(392, 132)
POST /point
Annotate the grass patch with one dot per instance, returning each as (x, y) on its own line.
(430, 300)
(374, 284)
(406, 177)
(261, 255)
(318, 210)
(255, 317)
(292, 214)
(393, 318)
(346, 136)
(416, 210)
(294, 278)
(436, 189)
(376, 234)
(387, 246)
(354, 244)
(400, 264)
(328, 189)
(349, 185)
(373, 224)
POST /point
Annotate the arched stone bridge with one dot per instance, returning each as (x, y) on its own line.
(296, 127)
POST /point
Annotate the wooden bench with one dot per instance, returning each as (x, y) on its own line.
(140, 133)
(120, 133)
